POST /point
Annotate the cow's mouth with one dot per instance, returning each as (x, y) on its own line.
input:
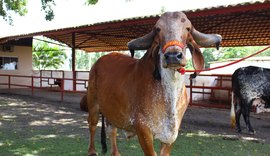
(174, 65)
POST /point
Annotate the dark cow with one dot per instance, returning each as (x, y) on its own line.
(250, 87)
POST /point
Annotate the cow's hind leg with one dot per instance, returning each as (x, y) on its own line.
(249, 127)
(92, 121)
(237, 117)
(246, 115)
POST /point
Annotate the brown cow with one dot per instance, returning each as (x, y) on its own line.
(147, 96)
(83, 103)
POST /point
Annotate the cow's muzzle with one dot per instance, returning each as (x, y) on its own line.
(173, 58)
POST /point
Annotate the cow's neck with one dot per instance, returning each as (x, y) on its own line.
(172, 83)
(165, 126)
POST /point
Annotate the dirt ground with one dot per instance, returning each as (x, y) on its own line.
(37, 110)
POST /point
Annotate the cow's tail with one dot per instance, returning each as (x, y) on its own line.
(103, 136)
(83, 103)
(232, 112)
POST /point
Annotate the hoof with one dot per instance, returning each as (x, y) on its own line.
(93, 154)
(238, 130)
(251, 132)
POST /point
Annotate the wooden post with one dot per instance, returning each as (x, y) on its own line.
(32, 85)
(40, 78)
(190, 91)
(73, 61)
(8, 81)
(62, 89)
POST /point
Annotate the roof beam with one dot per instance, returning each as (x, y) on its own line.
(228, 10)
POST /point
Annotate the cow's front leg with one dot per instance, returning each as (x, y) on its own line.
(145, 137)
(113, 136)
(165, 149)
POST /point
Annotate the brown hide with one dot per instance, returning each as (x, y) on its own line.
(83, 104)
(129, 93)
(118, 89)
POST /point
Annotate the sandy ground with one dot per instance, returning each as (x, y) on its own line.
(205, 120)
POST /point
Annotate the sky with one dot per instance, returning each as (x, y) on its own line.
(70, 13)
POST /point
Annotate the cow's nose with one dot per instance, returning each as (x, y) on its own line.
(173, 57)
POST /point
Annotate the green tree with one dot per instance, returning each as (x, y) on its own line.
(240, 52)
(208, 54)
(233, 52)
(46, 56)
(82, 60)
(95, 56)
(7, 7)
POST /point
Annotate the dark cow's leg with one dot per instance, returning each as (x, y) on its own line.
(237, 117)
(246, 115)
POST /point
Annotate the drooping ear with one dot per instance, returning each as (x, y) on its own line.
(142, 43)
(197, 57)
(206, 40)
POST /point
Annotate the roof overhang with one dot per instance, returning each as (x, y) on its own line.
(245, 24)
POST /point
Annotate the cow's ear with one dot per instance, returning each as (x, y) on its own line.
(197, 57)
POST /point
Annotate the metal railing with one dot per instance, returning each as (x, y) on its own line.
(206, 91)
(59, 86)
(211, 91)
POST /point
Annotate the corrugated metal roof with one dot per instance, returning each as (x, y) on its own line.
(240, 25)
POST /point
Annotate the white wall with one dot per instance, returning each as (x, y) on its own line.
(24, 55)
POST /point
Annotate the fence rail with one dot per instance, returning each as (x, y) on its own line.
(211, 90)
(57, 85)
(53, 83)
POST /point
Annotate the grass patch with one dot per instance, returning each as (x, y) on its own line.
(32, 142)
(47, 130)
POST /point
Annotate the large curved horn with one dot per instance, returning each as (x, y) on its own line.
(206, 40)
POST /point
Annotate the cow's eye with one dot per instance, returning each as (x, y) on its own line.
(188, 29)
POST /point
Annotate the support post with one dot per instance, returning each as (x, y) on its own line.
(73, 61)
(62, 89)
(32, 85)
(190, 91)
(8, 81)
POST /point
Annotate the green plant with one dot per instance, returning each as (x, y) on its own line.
(46, 56)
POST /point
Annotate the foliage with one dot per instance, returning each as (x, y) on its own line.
(46, 56)
(240, 52)
(7, 7)
(82, 60)
(46, 6)
(210, 54)
(95, 56)
(91, 2)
